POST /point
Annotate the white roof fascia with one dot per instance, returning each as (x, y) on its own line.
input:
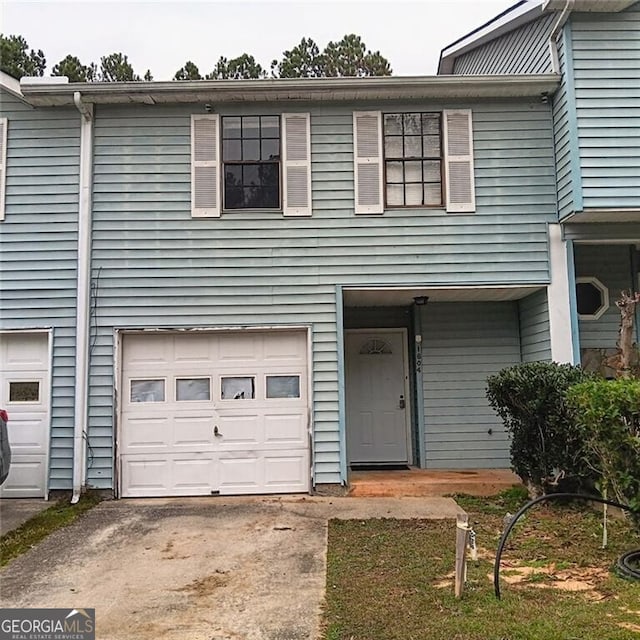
(301, 90)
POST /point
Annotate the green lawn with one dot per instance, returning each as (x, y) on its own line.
(392, 579)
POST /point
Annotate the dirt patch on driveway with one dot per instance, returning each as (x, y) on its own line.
(197, 568)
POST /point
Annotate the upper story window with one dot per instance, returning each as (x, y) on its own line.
(413, 159)
(251, 162)
(259, 163)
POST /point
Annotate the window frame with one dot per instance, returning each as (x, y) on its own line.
(605, 303)
(421, 159)
(280, 163)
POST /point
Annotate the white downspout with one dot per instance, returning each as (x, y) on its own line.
(83, 296)
(553, 46)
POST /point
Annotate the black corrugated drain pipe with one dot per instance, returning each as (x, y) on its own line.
(627, 563)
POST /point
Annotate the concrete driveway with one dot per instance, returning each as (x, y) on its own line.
(198, 568)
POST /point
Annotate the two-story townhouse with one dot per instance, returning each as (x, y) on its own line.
(39, 180)
(595, 46)
(288, 279)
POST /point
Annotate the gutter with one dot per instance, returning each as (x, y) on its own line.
(39, 93)
(553, 36)
(83, 296)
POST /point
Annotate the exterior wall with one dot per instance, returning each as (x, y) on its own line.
(155, 266)
(463, 344)
(523, 50)
(565, 130)
(612, 265)
(606, 66)
(38, 240)
(533, 315)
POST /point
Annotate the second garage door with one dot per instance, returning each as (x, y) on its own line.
(207, 413)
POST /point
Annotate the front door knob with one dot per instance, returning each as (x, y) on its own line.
(401, 403)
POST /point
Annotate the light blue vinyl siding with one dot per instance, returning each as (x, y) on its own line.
(155, 266)
(612, 265)
(564, 129)
(606, 62)
(535, 339)
(463, 344)
(38, 240)
(523, 50)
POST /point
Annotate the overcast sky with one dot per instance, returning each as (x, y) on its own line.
(162, 36)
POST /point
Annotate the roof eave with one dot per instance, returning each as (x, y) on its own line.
(298, 90)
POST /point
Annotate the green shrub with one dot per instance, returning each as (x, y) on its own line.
(608, 413)
(530, 400)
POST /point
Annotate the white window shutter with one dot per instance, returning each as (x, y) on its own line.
(296, 128)
(205, 181)
(4, 128)
(368, 161)
(458, 157)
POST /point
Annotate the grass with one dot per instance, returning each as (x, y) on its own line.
(61, 514)
(392, 579)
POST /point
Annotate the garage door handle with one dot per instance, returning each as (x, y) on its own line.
(216, 432)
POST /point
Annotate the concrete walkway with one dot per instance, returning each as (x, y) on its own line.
(198, 568)
(16, 511)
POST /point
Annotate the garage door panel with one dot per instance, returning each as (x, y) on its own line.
(170, 475)
(146, 433)
(25, 393)
(193, 431)
(286, 429)
(150, 351)
(286, 471)
(27, 476)
(219, 380)
(194, 350)
(289, 347)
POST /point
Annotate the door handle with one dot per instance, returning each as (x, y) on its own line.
(216, 432)
(401, 404)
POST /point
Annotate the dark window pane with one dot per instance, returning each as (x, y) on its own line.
(250, 150)
(283, 386)
(271, 197)
(412, 124)
(392, 124)
(251, 175)
(270, 126)
(269, 174)
(233, 198)
(24, 391)
(394, 172)
(393, 147)
(270, 150)
(231, 150)
(588, 298)
(231, 127)
(233, 175)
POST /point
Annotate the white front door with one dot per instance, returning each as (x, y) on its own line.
(24, 393)
(221, 412)
(377, 396)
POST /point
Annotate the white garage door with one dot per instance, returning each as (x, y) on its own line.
(24, 393)
(207, 413)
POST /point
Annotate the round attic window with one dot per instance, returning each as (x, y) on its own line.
(592, 298)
